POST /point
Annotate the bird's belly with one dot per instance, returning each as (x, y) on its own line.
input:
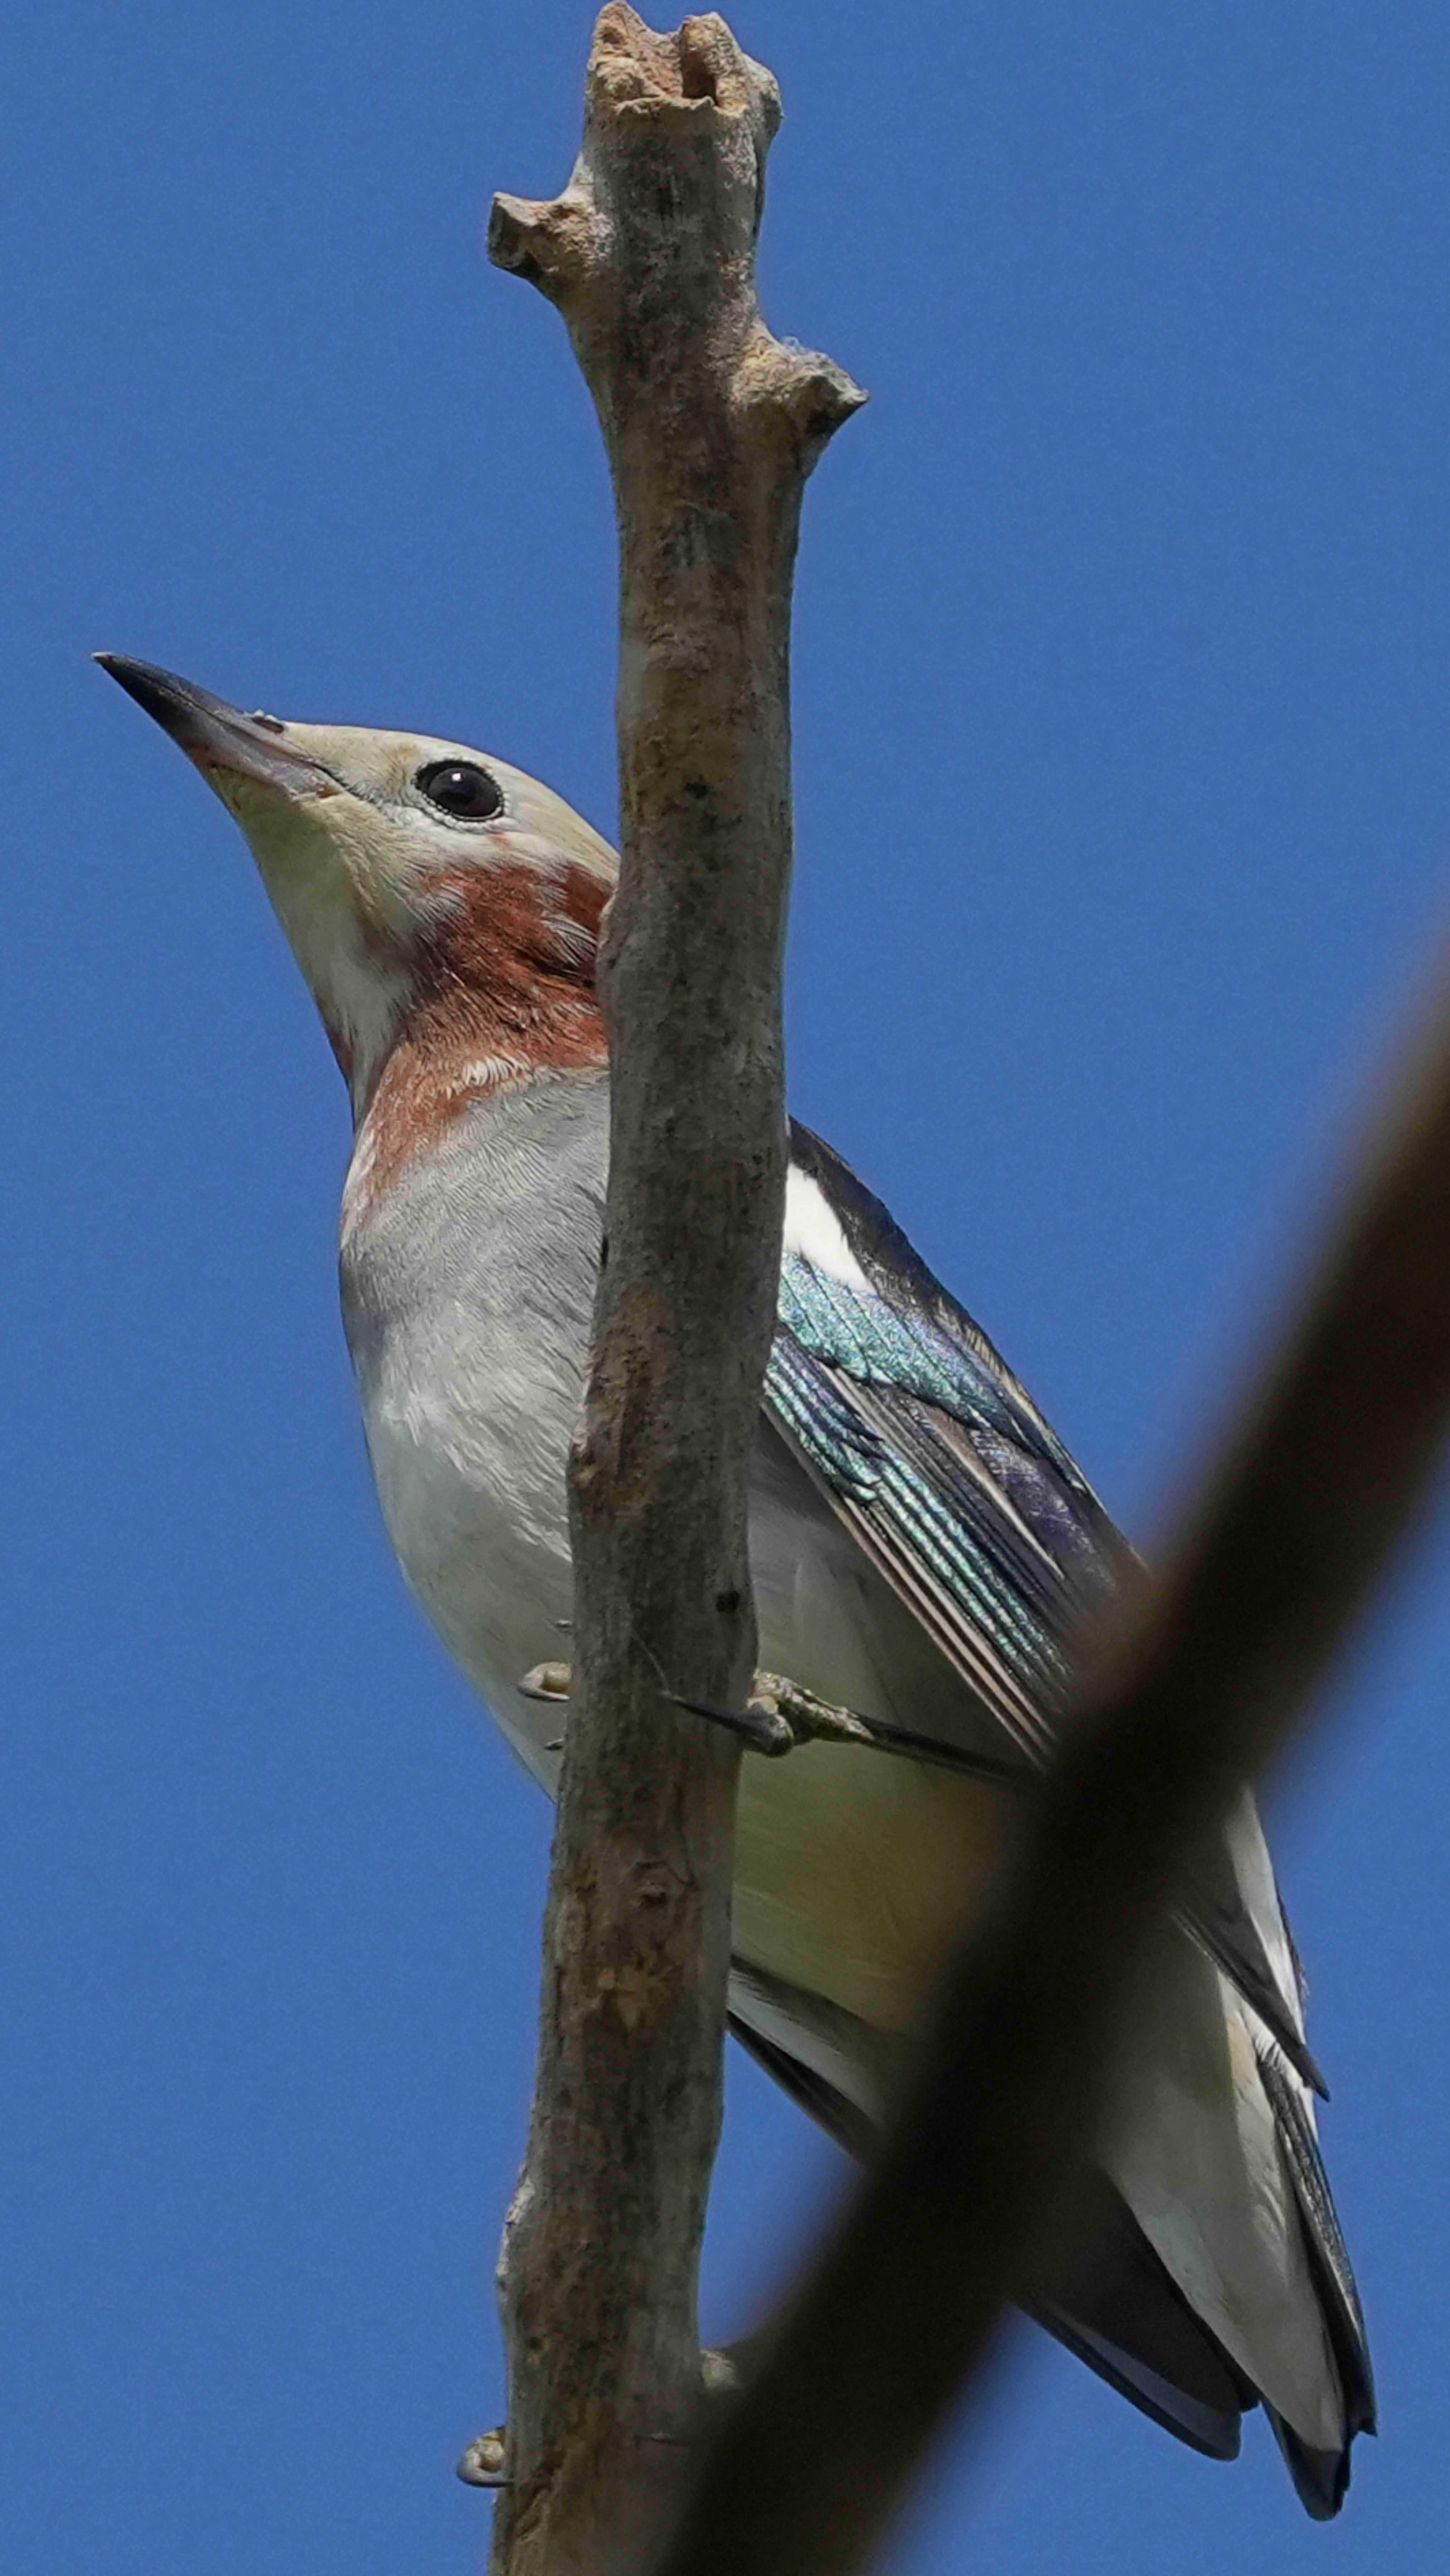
(474, 1507)
(852, 1866)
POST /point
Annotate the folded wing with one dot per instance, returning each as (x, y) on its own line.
(955, 1489)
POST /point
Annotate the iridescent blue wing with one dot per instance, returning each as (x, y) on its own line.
(956, 1489)
(936, 1458)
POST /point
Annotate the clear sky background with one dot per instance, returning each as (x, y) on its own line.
(1123, 677)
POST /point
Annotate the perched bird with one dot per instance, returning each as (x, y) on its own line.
(922, 1548)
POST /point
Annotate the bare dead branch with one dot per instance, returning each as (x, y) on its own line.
(1274, 1560)
(711, 427)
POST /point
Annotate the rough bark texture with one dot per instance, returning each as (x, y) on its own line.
(711, 428)
(1275, 1559)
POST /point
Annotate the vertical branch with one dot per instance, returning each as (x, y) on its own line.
(711, 427)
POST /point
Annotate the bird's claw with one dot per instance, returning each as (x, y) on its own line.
(781, 1714)
(482, 2464)
(722, 2374)
(810, 1720)
(764, 1728)
(546, 1682)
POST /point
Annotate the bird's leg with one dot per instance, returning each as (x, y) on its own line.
(764, 1731)
(725, 2369)
(765, 1726)
(820, 1721)
(723, 2373)
(781, 1714)
(484, 2463)
(811, 1720)
(546, 1682)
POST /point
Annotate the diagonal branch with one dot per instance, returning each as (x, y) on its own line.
(711, 426)
(1277, 1556)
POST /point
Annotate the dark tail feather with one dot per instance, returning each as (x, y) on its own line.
(810, 2092)
(1122, 2313)
(1321, 2478)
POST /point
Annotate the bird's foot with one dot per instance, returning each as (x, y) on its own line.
(781, 1714)
(723, 2374)
(482, 2464)
(724, 2371)
(810, 1720)
(546, 1682)
(778, 1716)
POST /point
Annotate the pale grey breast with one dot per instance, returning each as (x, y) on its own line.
(467, 1293)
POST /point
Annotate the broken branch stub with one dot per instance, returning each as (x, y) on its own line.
(711, 426)
(650, 250)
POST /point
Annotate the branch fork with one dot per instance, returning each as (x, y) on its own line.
(684, 121)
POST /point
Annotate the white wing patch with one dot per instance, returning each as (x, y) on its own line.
(813, 1229)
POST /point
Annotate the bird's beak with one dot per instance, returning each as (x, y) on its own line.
(219, 737)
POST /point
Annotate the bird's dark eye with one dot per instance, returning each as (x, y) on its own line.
(461, 787)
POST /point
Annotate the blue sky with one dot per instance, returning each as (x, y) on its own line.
(1122, 667)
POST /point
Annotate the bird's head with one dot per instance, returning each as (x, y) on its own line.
(437, 900)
